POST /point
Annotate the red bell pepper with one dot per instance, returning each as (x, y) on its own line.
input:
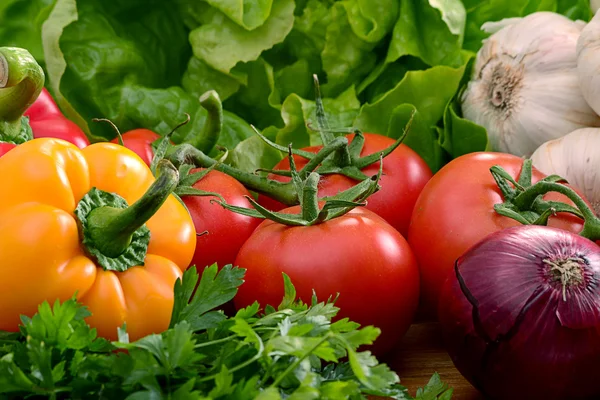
(5, 147)
(46, 120)
(27, 110)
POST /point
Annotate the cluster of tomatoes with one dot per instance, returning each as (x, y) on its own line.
(386, 261)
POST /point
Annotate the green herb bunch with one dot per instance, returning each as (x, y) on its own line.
(292, 352)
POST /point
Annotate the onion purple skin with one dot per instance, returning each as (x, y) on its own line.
(505, 322)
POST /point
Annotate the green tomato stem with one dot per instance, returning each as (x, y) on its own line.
(111, 229)
(310, 198)
(21, 82)
(280, 191)
(213, 125)
(591, 225)
(312, 164)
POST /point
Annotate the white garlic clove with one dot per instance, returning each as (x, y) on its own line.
(525, 89)
(588, 62)
(575, 157)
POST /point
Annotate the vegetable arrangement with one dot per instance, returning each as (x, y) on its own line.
(403, 160)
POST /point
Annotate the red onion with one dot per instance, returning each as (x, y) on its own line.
(521, 315)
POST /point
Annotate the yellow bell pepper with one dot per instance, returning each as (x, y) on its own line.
(94, 222)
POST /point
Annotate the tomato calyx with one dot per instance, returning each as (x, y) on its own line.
(114, 233)
(311, 212)
(345, 158)
(338, 155)
(21, 82)
(523, 200)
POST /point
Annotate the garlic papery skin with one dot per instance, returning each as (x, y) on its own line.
(525, 88)
(575, 157)
(588, 62)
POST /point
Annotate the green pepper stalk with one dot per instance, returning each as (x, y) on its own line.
(523, 200)
(21, 82)
(115, 233)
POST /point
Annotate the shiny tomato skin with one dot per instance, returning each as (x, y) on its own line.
(227, 230)
(455, 210)
(140, 142)
(404, 176)
(358, 255)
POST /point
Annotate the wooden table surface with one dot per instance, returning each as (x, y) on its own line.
(420, 354)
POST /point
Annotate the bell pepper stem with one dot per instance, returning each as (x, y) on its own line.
(112, 228)
(21, 82)
(213, 125)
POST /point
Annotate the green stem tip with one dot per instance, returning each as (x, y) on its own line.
(21, 82)
(207, 139)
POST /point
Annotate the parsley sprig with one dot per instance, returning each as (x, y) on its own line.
(293, 352)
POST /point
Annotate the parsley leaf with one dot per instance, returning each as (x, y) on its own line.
(215, 289)
(292, 352)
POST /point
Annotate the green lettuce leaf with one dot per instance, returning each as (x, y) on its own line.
(127, 71)
(461, 136)
(346, 57)
(250, 14)
(200, 77)
(253, 153)
(306, 41)
(426, 33)
(106, 52)
(421, 137)
(222, 43)
(371, 20)
(21, 24)
(357, 27)
(297, 112)
(63, 14)
(430, 30)
(258, 101)
(162, 109)
(575, 9)
(295, 78)
(428, 92)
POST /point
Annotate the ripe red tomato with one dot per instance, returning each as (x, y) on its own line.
(456, 209)
(227, 230)
(404, 176)
(140, 142)
(358, 255)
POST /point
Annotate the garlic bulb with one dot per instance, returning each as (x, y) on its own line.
(575, 157)
(525, 88)
(588, 62)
